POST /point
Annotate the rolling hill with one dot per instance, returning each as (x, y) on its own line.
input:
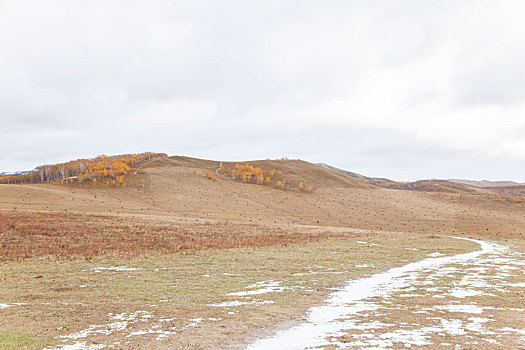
(182, 242)
(176, 188)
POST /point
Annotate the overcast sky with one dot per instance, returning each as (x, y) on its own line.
(400, 89)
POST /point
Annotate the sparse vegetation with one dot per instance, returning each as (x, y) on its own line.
(209, 175)
(249, 173)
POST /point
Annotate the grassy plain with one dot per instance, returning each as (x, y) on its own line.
(64, 297)
(155, 264)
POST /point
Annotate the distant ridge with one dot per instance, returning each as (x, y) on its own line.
(487, 183)
(14, 173)
(420, 185)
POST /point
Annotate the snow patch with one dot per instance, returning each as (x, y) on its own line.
(239, 303)
(325, 321)
(263, 288)
(5, 306)
(114, 268)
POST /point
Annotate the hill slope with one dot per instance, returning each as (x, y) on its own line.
(486, 183)
(176, 188)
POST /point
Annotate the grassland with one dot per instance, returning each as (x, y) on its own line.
(166, 262)
(61, 297)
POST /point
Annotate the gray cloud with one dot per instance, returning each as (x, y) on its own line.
(402, 89)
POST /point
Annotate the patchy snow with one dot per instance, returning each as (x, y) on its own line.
(126, 325)
(406, 337)
(159, 332)
(476, 325)
(330, 320)
(240, 303)
(114, 268)
(462, 293)
(470, 309)
(194, 322)
(369, 244)
(105, 329)
(131, 316)
(520, 285)
(80, 346)
(507, 329)
(453, 326)
(123, 320)
(435, 254)
(263, 288)
(5, 306)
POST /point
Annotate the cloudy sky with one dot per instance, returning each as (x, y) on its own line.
(401, 89)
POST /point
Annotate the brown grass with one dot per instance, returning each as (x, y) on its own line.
(175, 187)
(25, 235)
(64, 297)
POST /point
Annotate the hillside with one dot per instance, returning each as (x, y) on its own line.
(451, 186)
(486, 183)
(176, 187)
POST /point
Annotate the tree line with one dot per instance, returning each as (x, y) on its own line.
(105, 168)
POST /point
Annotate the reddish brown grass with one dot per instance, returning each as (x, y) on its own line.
(25, 235)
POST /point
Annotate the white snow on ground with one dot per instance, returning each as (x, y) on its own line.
(113, 268)
(81, 346)
(520, 285)
(520, 331)
(471, 309)
(369, 244)
(159, 332)
(239, 303)
(262, 288)
(123, 325)
(435, 255)
(463, 293)
(326, 323)
(123, 320)
(5, 306)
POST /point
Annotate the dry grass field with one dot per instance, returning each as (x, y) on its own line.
(176, 260)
